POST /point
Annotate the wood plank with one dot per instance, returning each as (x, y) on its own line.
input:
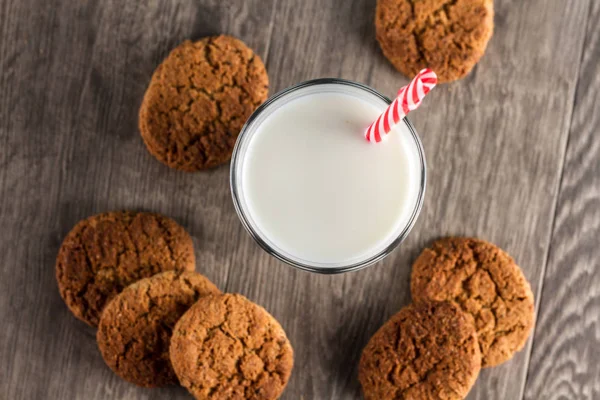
(564, 361)
(494, 143)
(72, 75)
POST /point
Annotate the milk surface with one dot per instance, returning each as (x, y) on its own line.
(318, 191)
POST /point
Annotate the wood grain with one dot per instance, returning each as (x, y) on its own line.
(564, 362)
(73, 73)
(494, 144)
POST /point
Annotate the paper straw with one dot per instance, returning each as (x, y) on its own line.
(409, 98)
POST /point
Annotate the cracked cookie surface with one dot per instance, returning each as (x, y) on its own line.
(427, 350)
(448, 36)
(107, 252)
(487, 283)
(135, 329)
(198, 100)
(226, 347)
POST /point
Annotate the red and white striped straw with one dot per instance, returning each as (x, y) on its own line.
(409, 98)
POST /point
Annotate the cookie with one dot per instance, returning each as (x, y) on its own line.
(425, 351)
(198, 100)
(107, 252)
(447, 36)
(135, 328)
(226, 347)
(487, 283)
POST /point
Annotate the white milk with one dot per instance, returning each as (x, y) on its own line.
(315, 190)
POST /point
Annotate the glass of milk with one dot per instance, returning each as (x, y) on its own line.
(312, 191)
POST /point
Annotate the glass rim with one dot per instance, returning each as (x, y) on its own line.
(233, 181)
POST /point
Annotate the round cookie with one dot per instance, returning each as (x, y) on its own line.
(105, 253)
(485, 281)
(134, 332)
(447, 36)
(198, 100)
(226, 347)
(425, 351)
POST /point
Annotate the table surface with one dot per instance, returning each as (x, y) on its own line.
(513, 155)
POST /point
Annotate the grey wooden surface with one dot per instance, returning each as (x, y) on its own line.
(512, 152)
(565, 362)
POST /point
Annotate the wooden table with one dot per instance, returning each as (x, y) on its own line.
(513, 154)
